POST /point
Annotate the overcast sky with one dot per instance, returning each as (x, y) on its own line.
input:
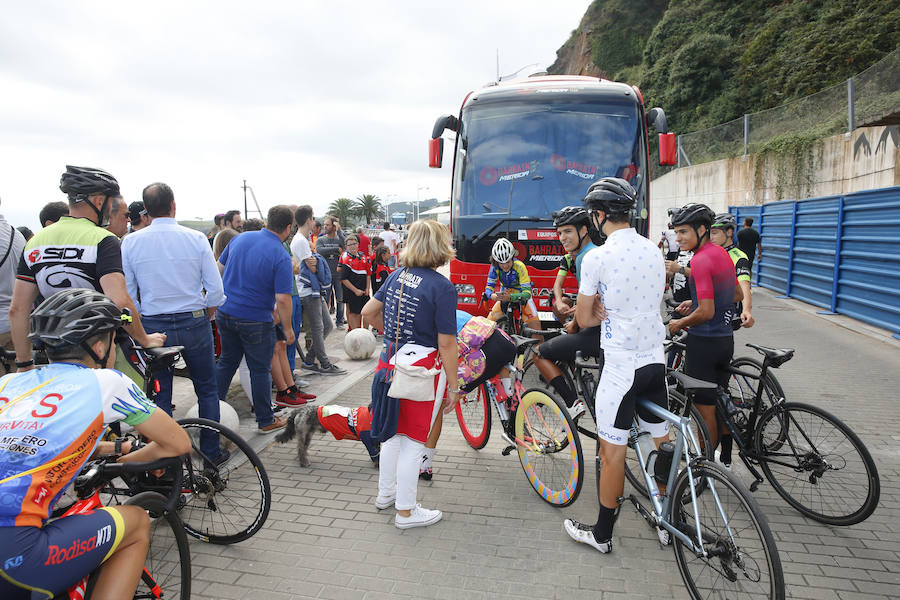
(309, 101)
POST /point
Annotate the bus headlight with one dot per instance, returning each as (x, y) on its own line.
(467, 300)
(465, 288)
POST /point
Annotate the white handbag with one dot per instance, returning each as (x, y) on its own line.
(410, 381)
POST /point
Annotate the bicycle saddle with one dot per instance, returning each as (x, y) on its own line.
(523, 342)
(689, 383)
(775, 356)
(160, 359)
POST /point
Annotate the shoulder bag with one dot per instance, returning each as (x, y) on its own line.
(409, 380)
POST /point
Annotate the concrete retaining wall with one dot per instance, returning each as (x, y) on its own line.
(833, 166)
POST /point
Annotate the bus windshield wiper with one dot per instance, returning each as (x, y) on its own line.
(498, 222)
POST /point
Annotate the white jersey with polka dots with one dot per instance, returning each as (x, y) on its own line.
(629, 274)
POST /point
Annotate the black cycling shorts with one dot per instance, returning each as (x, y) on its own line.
(499, 351)
(562, 348)
(623, 380)
(707, 358)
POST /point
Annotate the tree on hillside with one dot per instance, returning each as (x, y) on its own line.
(343, 209)
(368, 207)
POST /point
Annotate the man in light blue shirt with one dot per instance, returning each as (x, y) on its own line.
(172, 275)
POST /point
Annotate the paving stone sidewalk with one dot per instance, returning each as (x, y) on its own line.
(325, 539)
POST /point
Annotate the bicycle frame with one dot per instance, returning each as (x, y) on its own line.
(663, 507)
(93, 502)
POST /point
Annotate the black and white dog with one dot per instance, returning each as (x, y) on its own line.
(340, 421)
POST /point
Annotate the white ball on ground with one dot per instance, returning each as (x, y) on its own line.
(359, 344)
(228, 417)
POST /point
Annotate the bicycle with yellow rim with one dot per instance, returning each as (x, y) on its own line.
(535, 424)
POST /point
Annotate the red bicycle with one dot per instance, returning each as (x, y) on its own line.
(167, 570)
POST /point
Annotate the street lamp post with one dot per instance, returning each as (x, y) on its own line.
(419, 189)
(387, 206)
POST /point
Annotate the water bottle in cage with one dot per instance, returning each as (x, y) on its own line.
(499, 394)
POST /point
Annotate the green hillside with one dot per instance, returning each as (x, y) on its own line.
(709, 61)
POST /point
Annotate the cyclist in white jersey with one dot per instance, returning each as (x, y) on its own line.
(628, 274)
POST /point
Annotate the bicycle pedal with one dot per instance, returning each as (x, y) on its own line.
(506, 451)
(755, 486)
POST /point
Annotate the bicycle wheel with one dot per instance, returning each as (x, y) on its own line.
(549, 448)
(742, 560)
(473, 413)
(227, 503)
(743, 389)
(168, 563)
(701, 433)
(823, 469)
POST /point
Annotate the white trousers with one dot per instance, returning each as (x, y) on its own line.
(398, 470)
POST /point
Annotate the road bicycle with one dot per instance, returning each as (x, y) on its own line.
(535, 424)
(511, 320)
(221, 501)
(722, 542)
(583, 376)
(167, 569)
(810, 457)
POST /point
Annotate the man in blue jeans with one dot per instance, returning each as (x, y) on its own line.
(257, 275)
(171, 274)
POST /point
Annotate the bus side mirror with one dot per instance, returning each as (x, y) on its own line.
(435, 152)
(668, 152)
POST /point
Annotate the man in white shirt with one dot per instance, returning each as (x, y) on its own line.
(11, 245)
(315, 310)
(172, 275)
(391, 240)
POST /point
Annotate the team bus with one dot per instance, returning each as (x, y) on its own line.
(525, 148)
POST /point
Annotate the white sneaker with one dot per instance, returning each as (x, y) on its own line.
(665, 538)
(584, 534)
(418, 517)
(384, 502)
(576, 410)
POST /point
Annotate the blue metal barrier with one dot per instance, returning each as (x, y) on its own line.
(837, 252)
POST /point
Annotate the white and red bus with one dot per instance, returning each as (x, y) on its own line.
(528, 147)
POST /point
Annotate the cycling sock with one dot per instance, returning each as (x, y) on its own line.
(507, 385)
(605, 521)
(427, 458)
(725, 449)
(558, 383)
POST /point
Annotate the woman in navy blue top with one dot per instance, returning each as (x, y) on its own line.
(427, 317)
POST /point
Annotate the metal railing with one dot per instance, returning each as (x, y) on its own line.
(868, 97)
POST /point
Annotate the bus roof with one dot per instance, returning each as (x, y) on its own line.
(516, 88)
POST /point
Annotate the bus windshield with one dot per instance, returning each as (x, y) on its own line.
(522, 159)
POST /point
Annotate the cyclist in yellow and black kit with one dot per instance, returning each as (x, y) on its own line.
(515, 283)
(722, 234)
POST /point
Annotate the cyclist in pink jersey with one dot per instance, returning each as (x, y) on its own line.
(714, 292)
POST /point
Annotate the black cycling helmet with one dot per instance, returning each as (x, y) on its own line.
(571, 215)
(695, 215)
(577, 216)
(612, 195)
(725, 221)
(70, 317)
(79, 183)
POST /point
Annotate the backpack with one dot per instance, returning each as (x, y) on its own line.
(471, 338)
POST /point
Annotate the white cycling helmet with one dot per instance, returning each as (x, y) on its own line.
(503, 250)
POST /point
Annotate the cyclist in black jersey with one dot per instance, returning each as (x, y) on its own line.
(75, 252)
(576, 234)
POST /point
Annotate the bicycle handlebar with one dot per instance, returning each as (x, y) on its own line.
(105, 469)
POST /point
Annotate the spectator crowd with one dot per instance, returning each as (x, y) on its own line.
(237, 298)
